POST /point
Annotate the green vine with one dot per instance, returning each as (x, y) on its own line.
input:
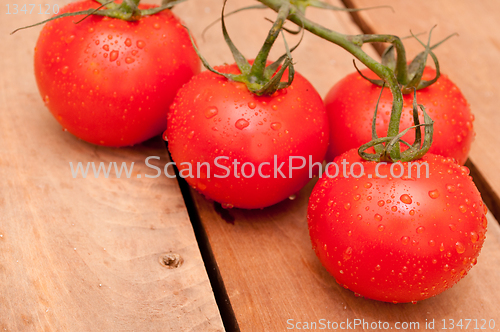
(394, 73)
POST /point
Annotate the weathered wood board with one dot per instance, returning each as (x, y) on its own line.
(83, 254)
(272, 277)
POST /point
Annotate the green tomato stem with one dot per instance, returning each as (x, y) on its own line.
(260, 62)
(401, 65)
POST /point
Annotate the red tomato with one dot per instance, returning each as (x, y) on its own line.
(397, 239)
(108, 81)
(213, 117)
(351, 102)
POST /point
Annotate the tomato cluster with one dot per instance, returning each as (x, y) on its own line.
(387, 231)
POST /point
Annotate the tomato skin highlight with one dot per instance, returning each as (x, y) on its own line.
(397, 239)
(213, 117)
(108, 81)
(351, 103)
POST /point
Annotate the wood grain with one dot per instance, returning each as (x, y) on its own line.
(272, 276)
(82, 254)
(470, 60)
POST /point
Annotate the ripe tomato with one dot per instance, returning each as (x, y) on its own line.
(351, 102)
(213, 117)
(108, 81)
(397, 239)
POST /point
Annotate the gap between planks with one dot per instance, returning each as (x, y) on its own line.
(221, 297)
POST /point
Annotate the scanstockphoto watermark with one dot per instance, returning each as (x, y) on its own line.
(223, 167)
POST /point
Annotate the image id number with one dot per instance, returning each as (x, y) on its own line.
(476, 324)
(29, 9)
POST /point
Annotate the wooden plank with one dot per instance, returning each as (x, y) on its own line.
(84, 254)
(264, 256)
(470, 60)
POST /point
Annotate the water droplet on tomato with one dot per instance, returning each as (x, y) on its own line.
(241, 124)
(129, 60)
(446, 267)
(357, 197)
(420, 229)
(113, 56)
(156, 26)
(69, 39)
(452, 227)
(347, 253)
(405, 240)
(434, 194)
(368, 185)
(251, 105)
(394, 208)
(474, 237)
(465, 170)
(190, 135)
(406, 199)
(46, 99)
(292, 197)
(64, 69)
(227, 206)
(110, 36)
(141, 44)
(165, 138)
(128, 42)
(462, 208)
(432, 243)
(451, 188)
(460, 247)
(210, 112)
(347, 206)
(275, 126)
(378, 217)
(274, 107)
(381, 203)
(381, 228)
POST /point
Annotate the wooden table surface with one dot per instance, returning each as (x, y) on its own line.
(86, 254)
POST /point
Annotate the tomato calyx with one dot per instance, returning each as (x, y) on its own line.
(385, 147)
(128, 10)
(260, 78)
(410, 75)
